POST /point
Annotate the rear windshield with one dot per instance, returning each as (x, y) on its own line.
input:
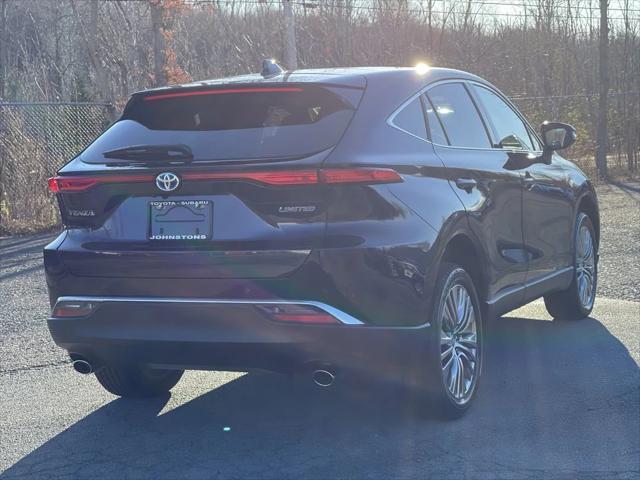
(234, 123)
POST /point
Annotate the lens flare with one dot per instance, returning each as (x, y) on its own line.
(422, 68)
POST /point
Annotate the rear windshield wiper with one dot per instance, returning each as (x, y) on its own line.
(145, 153)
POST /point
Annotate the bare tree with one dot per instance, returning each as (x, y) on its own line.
(102, 50)
(290, 49)
(3, 45)
(603, 109)
(89, 34)
(159, 44)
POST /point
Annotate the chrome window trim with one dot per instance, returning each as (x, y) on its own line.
(343, 317)
(424, 89)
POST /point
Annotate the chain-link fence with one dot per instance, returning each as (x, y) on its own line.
(36, 139)
(581, 111)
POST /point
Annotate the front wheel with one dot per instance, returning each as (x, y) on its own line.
(455, 356)
(137, 381)
(577, 301)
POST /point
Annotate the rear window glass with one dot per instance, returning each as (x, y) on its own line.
(234, 122)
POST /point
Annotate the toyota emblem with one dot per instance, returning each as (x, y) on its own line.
(167, 181)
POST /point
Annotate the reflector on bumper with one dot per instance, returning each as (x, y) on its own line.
(291, 313)
(71, 309)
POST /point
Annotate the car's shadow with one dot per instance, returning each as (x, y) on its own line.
(556, 398)
(22, 255)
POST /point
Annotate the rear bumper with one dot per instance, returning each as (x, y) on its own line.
(204, 334)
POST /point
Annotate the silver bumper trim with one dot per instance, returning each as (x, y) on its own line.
(343, 317)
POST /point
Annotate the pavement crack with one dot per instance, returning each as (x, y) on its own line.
(34, 367)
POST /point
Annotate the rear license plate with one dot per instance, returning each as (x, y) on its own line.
(180, 220)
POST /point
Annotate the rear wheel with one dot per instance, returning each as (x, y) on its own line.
(577, 301)
(455, 356)
(137, 381)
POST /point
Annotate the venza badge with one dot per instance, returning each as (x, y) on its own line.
(167, 181)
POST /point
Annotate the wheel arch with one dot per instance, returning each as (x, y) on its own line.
(462, 250)
(589, 205)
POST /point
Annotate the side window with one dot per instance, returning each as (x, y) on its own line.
(435, 127)
(411, 119)
(511, 131)
(459, 116)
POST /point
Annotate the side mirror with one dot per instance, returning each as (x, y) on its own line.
(512, 142)
(557, 136)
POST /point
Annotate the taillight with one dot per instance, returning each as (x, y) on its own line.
(80, 184)
(276, 177)
(359, 175)
(57, 185)
(288, 177)
(305, 177)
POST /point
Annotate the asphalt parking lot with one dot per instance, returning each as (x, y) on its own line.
(557, 400)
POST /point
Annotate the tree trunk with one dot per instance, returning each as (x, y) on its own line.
(3, 46)
(90, 38)
(603, 106)
(3, 60)
(290, 50)
(159, 46)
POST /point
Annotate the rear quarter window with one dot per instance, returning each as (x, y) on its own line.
(411, 119)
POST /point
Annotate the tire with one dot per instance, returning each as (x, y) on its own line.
(137, 381)
(575, 303)
(452, 345)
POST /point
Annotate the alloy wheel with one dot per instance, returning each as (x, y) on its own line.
(459, 352)
(585, 266)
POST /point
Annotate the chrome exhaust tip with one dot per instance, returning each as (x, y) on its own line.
(82, 366)
(323, 378)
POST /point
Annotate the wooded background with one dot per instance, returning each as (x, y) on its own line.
(545, 54)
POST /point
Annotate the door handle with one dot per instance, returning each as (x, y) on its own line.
(466, 184)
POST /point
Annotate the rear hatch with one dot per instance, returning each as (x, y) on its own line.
(205, 182)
